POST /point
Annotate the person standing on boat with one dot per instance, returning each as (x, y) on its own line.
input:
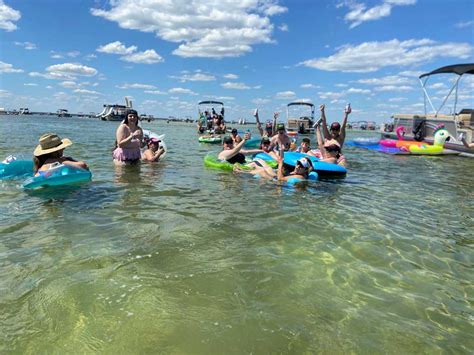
(337, 133)
(129, 138)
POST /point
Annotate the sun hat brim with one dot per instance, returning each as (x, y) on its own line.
(40, 151)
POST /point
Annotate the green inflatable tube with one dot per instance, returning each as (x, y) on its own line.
(213, 140)
(211, 161)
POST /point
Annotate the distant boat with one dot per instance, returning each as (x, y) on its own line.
(300, 124)
(422, 127)
(24, 111)
(115, 112)
(62, 112)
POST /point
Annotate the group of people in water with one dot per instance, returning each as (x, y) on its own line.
(128, 147)
(212, 121)
(275, 141)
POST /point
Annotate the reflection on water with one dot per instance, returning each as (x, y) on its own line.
(185, 259)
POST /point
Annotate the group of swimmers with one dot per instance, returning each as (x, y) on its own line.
(128, 147)
(275, 141)
(212, 122)
(130, 141)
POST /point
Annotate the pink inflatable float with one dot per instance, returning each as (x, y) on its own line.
(400, 143)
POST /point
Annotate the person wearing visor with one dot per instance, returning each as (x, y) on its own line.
(280, 141)
(154, 151)
(233, 153)
(268, 131)
(260, 167)
(336, 133)
(235, 136)
(50, 150)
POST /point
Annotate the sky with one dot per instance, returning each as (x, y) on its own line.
(167, 55)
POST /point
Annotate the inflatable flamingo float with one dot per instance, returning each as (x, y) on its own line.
(400, 143)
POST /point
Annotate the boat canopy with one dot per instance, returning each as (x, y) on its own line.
(211, 103)
(459, 69)
(300, 103)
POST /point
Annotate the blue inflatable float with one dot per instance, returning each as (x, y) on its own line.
(12, 168)
(323, 169)
(57, 175)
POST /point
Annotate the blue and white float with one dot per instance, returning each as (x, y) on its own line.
(58, 174)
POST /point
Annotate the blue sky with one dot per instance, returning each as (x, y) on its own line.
(168, 55)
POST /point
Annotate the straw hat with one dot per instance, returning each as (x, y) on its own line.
(50, 142)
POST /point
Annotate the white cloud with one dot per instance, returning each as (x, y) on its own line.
(397, 99)
(8, 68)
(411, 73)
(309, 86)
(225, 98)
(26, 45)
(155, 92)
(437, 86)
(90, 56)
(358, 91)
(234, 85)
(396, 88)
(57, 56)
(330, 95)
(360, 13)
(116, 47)
(5, 93)
(464, 24)
(7, 17)
(49, 87)
(260, 101)
(283, 27)
(203, 29)
(386, 80)
(73, 54)
(181, 91)
(341, 85)
(69, 70)
(69, 84)
(372, 56)
(231, 76)
(30, 84)
(87, 92)
(194, 77)
(147, 57)
(137, 86)
(285, 95)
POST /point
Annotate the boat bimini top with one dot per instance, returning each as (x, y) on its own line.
(300, 103)
(459, 69)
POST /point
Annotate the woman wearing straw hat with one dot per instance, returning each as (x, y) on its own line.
(50, 150)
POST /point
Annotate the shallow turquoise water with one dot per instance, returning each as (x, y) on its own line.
(178, 258)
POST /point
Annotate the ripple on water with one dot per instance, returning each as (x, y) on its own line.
(185, 259)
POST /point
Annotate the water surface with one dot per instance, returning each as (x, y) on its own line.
(178, 258)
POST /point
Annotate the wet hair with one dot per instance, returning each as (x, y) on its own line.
(306, 140)
(38, 161)
(228, 140)
(129, 112)
(335, 126)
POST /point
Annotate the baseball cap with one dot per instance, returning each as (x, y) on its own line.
(280, 126)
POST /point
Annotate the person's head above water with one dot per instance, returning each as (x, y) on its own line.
(234, 131)
(50, 143)
(131, 116)
(280, 128)
(335, 129)
(228, 142)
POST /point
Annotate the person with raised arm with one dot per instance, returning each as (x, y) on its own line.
(329, 151)
(337, 132)
(269, 127)
(232, 153)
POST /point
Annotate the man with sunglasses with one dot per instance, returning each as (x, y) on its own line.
(336, 134)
